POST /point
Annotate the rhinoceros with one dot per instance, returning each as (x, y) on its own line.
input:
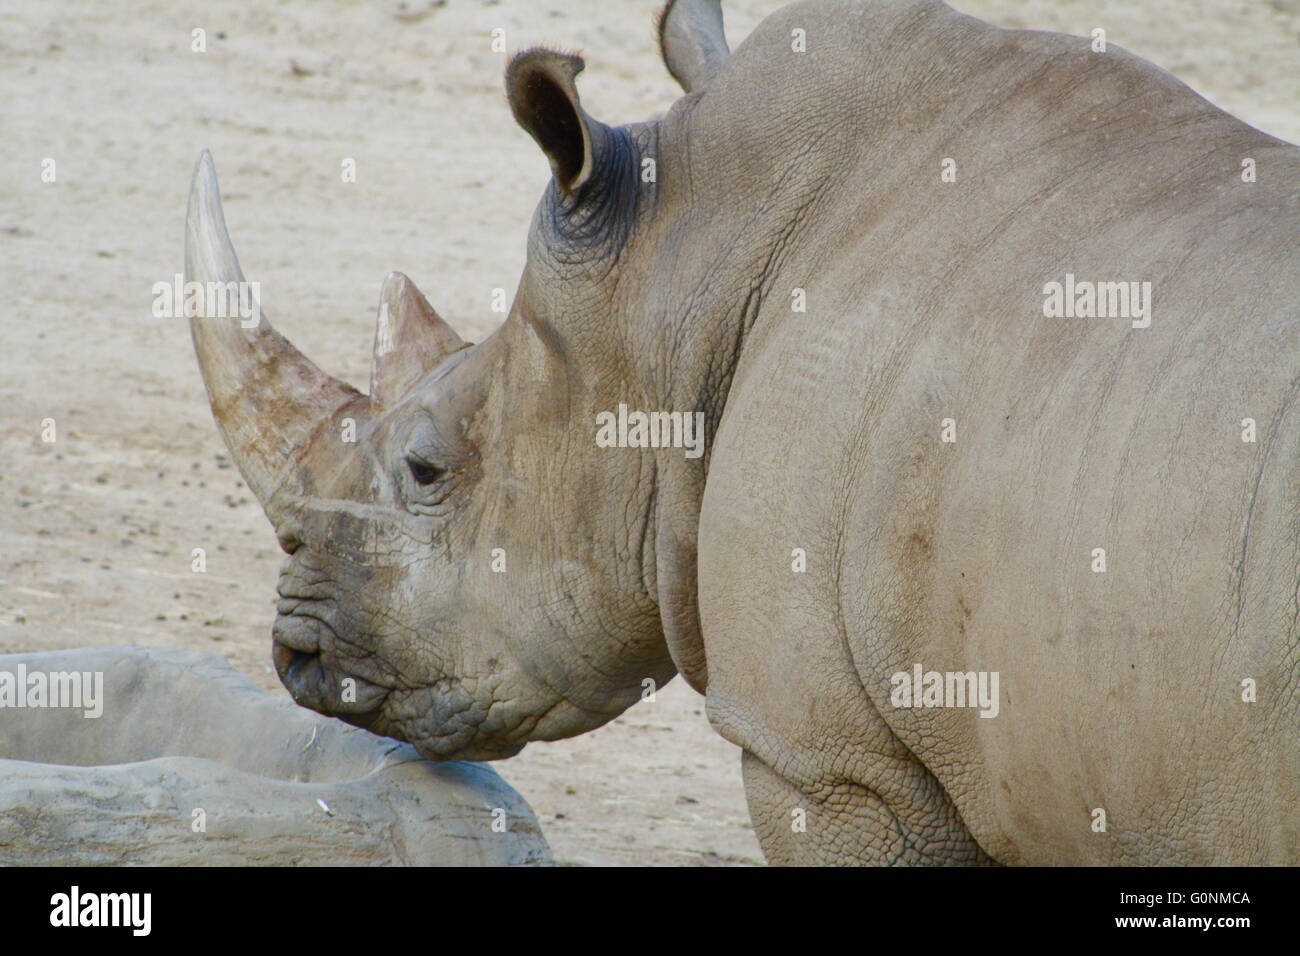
(990, 550)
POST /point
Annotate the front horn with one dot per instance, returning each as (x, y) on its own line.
(268, 399)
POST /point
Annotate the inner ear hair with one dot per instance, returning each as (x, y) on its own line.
(544, 99)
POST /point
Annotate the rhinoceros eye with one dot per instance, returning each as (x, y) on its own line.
(423, 472)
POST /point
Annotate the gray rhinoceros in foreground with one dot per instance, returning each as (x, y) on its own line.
(993, 548)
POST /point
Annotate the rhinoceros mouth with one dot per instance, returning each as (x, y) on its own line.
(313, 684)
(297, 654)
(290, 663)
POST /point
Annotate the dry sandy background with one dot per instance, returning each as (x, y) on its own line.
(96, 530)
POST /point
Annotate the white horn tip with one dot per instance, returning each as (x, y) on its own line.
(395, 288)
(209, 255)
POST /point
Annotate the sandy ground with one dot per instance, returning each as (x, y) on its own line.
(97, 528)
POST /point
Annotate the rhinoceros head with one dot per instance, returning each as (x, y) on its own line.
(466, 569)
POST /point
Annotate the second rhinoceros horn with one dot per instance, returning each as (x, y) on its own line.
(410, 339)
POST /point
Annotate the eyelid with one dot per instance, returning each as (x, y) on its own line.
(424, 458)
(426, 452)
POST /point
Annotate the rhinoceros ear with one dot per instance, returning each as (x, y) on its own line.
(692, 41)
(544, 98)
(410, 339)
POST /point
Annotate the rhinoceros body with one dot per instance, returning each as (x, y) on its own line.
(997, 341)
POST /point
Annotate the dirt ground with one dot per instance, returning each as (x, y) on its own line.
(97, 528)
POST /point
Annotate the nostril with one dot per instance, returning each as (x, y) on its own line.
(288, 538)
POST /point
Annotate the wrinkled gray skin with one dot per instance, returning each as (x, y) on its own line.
(1120, 691)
